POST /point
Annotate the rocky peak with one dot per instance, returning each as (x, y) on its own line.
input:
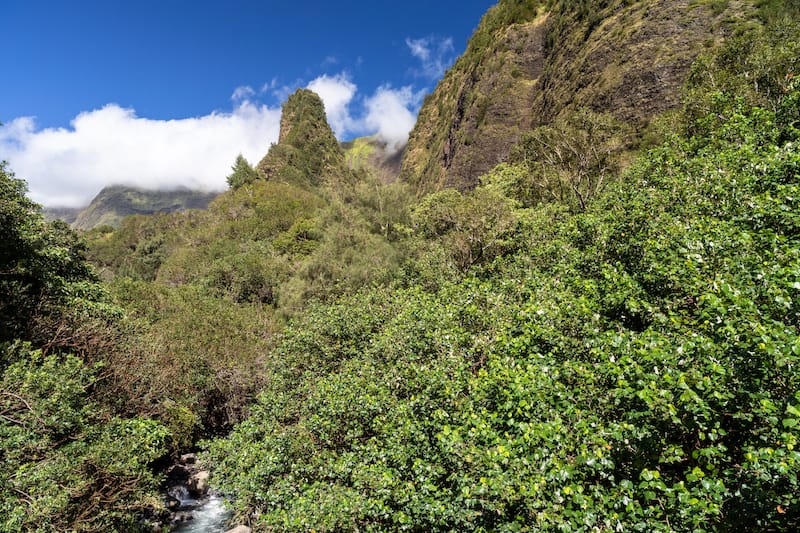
(307, 151)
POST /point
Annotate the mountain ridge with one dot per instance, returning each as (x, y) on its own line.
(115, 202)
(530, 63)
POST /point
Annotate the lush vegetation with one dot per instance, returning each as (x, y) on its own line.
(242, 173)
(624, 364)
(205, 292)
(68, 460)
(591, 339)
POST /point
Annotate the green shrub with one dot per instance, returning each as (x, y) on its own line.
(67, 464)
(628, 367)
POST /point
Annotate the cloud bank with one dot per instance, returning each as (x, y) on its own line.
(69, 166)
(389, 113)
(337, 93)
(112, 145)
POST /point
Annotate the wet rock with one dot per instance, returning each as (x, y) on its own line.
(198, 483)
(178, 474)
(240, 529)
(179, 518)
(188, 459)
(172, 503)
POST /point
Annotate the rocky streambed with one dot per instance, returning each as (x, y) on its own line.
(191, 506)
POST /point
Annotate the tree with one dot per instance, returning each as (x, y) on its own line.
(243, 173)
(571, 160)
(67, 463)
(474, 228)
(41, 265)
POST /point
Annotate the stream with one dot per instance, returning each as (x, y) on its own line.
(208, 514)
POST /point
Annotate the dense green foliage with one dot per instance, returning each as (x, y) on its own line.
(68, 462)
(585, 341)
(67, 465)
(242, 173)
(41, 267)
(629, 367)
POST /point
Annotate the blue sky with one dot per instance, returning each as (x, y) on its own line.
(87, 84)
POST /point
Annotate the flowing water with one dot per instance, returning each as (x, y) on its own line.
(181, 493)
(209, 515)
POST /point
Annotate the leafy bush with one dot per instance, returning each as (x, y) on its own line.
(473, 228)
(191, 359)
(628, 367)
(68, 465)
(570, 161)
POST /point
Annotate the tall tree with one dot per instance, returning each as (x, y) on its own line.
(41, 264)
(243, 173)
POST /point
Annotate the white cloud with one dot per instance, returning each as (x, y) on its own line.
(435, 55)
(389, 113)
(243, 93)
(111, 145)
(68, 166)
(419, 48)
(336, 92)
(392, 113)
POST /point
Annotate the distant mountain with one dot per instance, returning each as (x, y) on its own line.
(67, 214)
(373, 155)
(114, 203)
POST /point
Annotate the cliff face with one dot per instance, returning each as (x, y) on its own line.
(530, 62)
(307, 151)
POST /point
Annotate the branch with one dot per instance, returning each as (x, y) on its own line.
(18, 397)
(12, 420)
(25, 496)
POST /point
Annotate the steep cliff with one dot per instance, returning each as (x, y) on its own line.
(531, 62)
(307, 152)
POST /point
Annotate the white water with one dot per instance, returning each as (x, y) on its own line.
(181, 493)
(210, 516)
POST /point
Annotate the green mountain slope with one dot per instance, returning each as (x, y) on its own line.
(114, 203)
(372, 155)
(307, 151)
(65, 214)
(530, 62)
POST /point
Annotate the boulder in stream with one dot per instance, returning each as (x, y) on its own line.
(198, 483)
(240, 529)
